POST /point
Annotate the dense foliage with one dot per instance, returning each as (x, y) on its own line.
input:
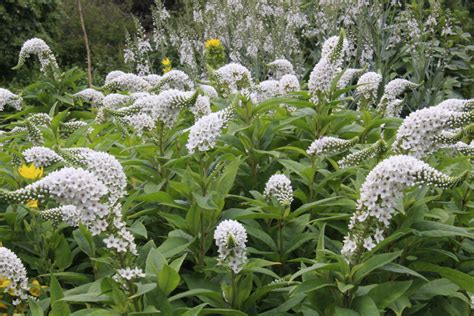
(58, 22)
(308, 193)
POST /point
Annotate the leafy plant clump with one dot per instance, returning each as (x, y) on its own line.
(229, 195)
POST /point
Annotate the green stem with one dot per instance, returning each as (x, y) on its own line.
(201, 241)
(280, 243)
(233, 301)
(162, 150)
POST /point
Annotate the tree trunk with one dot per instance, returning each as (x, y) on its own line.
(86, 42)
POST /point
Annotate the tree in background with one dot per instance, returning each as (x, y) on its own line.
(106, 23)
(58, 23)
(21, 20)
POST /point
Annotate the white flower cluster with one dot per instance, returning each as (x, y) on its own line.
(328, 145)
(389, 105)
(330, 46)
(104, 166)
(279, 68)
(82, 197)
(127, 82)
(265, 90)
(31, 126)
(233, 78)
(165, 106)
(208, 90)
(174, 79)
(128, 274)
(368, 85)
(71, 126)
(204, 133)
(69, 214)
(279, 187)
(420, 133)
(379, 193)
(459, 105)
(91, 96)
(271, 88)
(139, 122)
(9, 98)
(347, 76)
(69, 186)
(37, 46)
(40, 119)
(332, 57)
(119, 238)
(114, 74)
(363, 155)
(202, 106)
(230, 237)
(12, 269)
(396, 87)
(288, 83)
(152, 79)
(41, 156)
(465, 149)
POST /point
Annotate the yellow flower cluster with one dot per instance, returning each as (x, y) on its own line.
(35, 288)
(214, 53)
(31, 171)
(4, 282)
(32, 203)
(166, 63)
(213, 42)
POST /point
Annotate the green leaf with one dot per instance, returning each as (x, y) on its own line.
(361, 270)
(84, 240)
(168, 279)
(155, 262)
(442, 287)
(400, 305)
(193, 292)
(70, 277)
(463, 280)
(195, 311)
(315, 266)
(343, 287)
(435, 229)
(87, 297)
(285, 306)
(345, 312)
(62, 254)
(96, 312)
(143, 289)
(260, 235)
(226, 180)
(394, 267)
(35, 308)
(139, 229)
(58, 306)
(365, 306)
(386, 293)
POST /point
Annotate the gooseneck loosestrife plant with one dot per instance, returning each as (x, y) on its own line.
(258, 159)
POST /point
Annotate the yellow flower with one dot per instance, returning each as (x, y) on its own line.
(3, 306)
(4, 282)
(30, 172)
(32, 203)
(166, 62)
(35, 288)
(213, 42)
